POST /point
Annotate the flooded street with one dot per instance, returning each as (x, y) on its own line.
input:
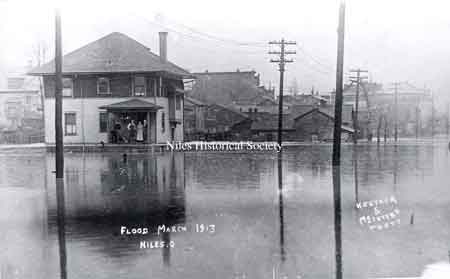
(226, 215)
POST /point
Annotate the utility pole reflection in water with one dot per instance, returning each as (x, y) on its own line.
(169, 214)
(280, 205)
(395, 168)
(337, 220)
(61, 223)
(355, 170)
(166, 248)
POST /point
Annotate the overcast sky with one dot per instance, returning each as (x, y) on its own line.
(396, 40)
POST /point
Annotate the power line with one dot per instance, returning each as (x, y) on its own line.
(204, 36)
(198, 36)
(315, 60)
(221, 39)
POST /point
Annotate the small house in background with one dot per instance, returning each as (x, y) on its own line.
(21, 112)
(224, 123)
(116, 91)
(194, 119)
(347, 112)
(317, 124)
(265, 127)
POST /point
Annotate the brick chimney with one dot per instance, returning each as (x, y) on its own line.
(163, 46)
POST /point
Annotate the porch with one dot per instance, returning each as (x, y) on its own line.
(131, 122)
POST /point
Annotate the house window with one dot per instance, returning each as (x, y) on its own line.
(103, 122)
(177, 102)
(163, 122)
(159, 92)
(163, 91)
(139, 86)
(67, 87)
(103, 86)
(28, 100)
(12, 109)
(151, 87)
(70, 123)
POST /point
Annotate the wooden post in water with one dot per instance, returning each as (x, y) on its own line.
(59, 149)
(432, 114)
(280, 205)
(396, 84)
(337, 142)
(417, 121)
(447, 120)
(339, 89)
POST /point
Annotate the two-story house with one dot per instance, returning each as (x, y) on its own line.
(115, 90)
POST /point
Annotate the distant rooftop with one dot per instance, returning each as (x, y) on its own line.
(18, 91)
(237, 72)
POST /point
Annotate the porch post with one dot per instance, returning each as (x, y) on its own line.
(148, 127)
(155, 127)
(110, 125)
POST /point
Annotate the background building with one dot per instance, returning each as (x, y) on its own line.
(227, 87)
(21, 112)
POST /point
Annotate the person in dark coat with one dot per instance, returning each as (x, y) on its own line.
(132, 131)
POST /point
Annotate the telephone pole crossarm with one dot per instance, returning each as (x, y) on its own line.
(281, 61)
(358, 79)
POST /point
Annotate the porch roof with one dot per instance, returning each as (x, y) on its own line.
(132, 104)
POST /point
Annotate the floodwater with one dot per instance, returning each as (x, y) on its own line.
(233, 215)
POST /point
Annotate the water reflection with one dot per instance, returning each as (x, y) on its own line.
(355, 171)
(270, 212)
(138, 192)
(337, 220)
(280, 204)
(61, 224)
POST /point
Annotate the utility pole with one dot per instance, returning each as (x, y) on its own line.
(417, 121)
(432, 114)
(337, 142)
(339, 89)
(59, 149)
(358, 80)
(396, 84)
(58, 100)
(281, 62)
(447, 120)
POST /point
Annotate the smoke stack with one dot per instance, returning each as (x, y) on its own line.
(163, 46)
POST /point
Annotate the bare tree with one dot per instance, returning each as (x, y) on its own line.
(293, 87)
(38, 59)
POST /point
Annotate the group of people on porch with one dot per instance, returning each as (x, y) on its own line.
(129, 132)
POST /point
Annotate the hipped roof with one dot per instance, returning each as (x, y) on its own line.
(114, 53)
